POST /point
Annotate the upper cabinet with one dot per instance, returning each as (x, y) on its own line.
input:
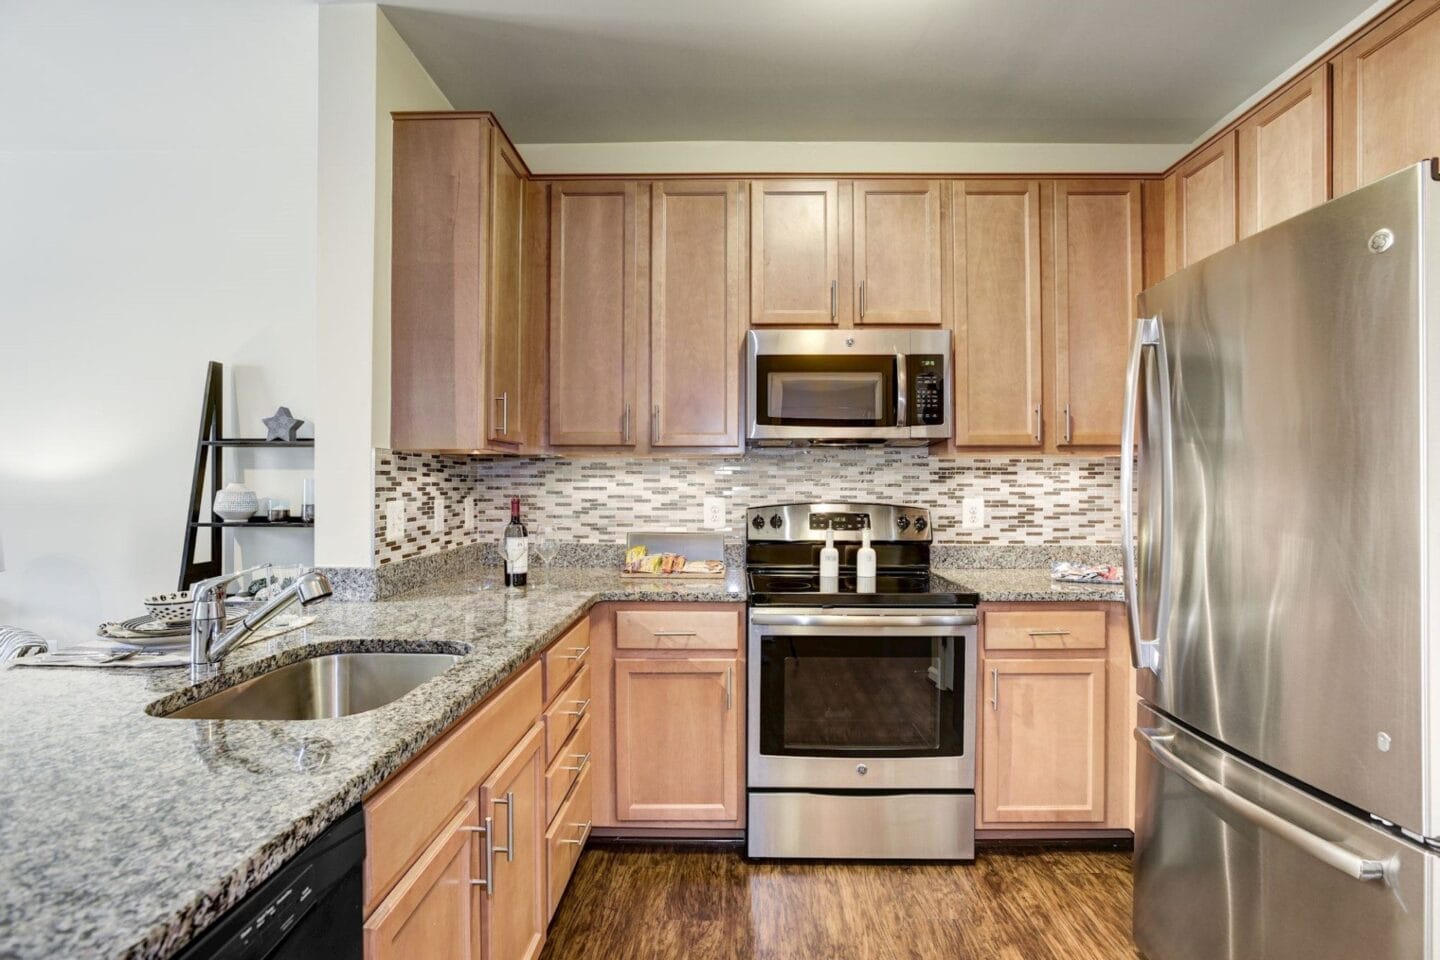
(1097, 278)
(1284, 154)
(795, 253)
(1205, 202)
(594, 316)
(1386, 96)
(995, 254)
(897, 251)
(461, 320)
(697, 287)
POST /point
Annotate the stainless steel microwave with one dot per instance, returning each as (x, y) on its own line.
(847, 386)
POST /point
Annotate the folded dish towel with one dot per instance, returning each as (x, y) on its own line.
(1062, 571)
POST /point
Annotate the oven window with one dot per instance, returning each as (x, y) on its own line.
(860, 696)
(810, 391)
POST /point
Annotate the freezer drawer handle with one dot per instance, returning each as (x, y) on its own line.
(1327, 852)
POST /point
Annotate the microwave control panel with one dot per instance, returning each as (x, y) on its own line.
(926, 376)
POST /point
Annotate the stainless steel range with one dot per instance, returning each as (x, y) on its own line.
(861, 702)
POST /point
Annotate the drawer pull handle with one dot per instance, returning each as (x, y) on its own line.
(674, 633)
(1048, 633)
(579, 653)
(584, 833)
(583, 758)
(488, 830)
(584, 705)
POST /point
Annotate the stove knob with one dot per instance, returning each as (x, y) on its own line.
(902, 522)
(920, 524)
(861, 769)
(758, 522)
(776, 521)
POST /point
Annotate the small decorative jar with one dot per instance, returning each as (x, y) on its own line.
(236, 503)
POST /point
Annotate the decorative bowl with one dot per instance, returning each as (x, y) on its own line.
(170, 607)
(236, 503)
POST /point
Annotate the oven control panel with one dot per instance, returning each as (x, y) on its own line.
(926, 375)
(800, 522)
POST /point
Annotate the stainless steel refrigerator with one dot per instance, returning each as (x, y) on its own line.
(1285, 588)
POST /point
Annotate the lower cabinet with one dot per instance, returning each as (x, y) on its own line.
(677, 738)
(566, 839)
(513, 910)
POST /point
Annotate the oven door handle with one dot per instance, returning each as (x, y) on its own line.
(859, 620)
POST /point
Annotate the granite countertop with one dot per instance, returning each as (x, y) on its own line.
(124, 835)
(1027, 584)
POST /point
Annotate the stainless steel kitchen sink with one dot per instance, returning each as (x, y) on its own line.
(335, 685)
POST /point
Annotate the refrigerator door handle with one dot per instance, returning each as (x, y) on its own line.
(1326, 851)
(1145, 652)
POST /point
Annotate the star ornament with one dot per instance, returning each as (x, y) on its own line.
(281, 426)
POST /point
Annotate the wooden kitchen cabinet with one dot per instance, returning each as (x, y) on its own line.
(1386, 94)
(1205, 202)
(795, 254)
(697, 285)
(465, 335)
(1098, 270)
(434, 910)
(678, 728)
(996, 263)
(514, 911)
(594, 316)
(897, 252)
(1284, 154)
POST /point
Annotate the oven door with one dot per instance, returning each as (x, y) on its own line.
(862, 699)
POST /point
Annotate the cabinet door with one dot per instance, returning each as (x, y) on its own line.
(677, 737)
(1205, 202)
(1284, 160)
(897, 251)
(433, 910)
(1043, 755)
(594, 274)
(1387, 88)
(1097, 278)
(795, 253)
(513, 910)
(995, 237)
(505, 341)
(697, 277)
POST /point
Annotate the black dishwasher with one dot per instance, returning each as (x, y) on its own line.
(310, 908)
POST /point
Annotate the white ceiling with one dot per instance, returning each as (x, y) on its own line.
(1100, 71)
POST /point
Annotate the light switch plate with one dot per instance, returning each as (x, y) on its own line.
(972, 513)
(395, 520)
(439, 525)
(714, 513)
(469, 514)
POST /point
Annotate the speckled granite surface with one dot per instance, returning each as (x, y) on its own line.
(1016, 585)
(123, 834)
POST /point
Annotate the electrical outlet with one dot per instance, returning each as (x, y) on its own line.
(715, 513)
(469, 514)
(439, 525)
(395, 520)
(972, 513)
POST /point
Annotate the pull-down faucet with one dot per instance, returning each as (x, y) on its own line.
(210, 640)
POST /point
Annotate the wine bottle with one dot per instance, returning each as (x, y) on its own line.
(517, 547)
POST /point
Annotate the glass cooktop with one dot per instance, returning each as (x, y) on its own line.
(890, 588)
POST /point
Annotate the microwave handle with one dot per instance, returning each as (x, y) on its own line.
(902, 390)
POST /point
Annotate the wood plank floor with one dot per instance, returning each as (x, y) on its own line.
(634, 902)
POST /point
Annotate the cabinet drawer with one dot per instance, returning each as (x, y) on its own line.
(566, 838)
(565, 657)
(677, 630)
(565, 769)
(1045, 630)
(408, 811)
(565, 714)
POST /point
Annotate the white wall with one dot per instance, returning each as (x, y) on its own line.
(365, 72)
(157, 210)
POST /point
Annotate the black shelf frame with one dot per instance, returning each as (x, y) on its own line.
(210, 449)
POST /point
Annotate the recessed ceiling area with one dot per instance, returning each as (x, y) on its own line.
(1105, 71)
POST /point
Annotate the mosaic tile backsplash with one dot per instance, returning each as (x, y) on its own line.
(1028, 500)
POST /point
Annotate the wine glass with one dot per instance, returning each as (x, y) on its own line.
(546, 547)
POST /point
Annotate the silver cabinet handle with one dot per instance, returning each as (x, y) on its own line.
(583, 758)
(1065, 421)
(625, 424)
(995, 688)
(673, 633)
(504, 401)
(489, 830)
(584, 705)
(584, 833)
(654, 421)
(862, 299)
(1037, 424)
(834, 297)
(579, 653)
(1326, 851)
(1145, 653)
(729, 686)
(1048, 633)
(509, 848)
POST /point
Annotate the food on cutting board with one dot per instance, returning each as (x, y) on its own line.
(639, 560)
